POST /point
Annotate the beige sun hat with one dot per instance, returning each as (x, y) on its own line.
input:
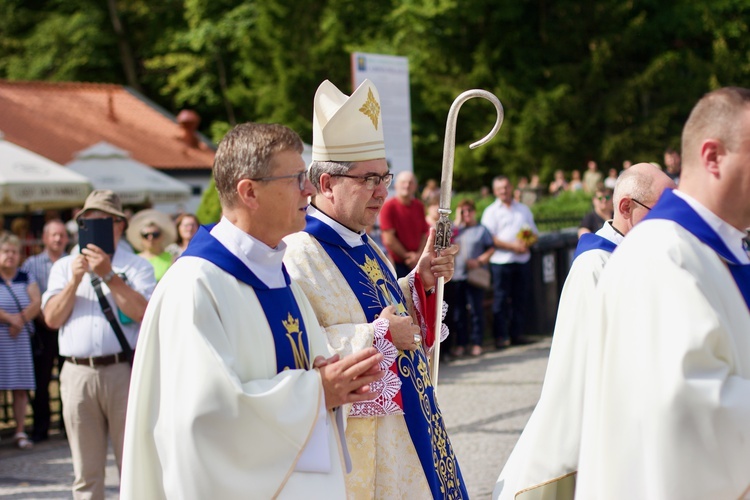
(146, 218)
(103, 200)
(347, 128)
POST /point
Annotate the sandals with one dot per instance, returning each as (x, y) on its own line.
(22, 441)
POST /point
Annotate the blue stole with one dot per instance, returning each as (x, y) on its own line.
(375, 287)
(672, 207)
(279, 305)
(592, 241)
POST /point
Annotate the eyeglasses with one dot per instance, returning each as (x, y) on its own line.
(371, 181)
(641, 204)
(152, 235)
(301, 178)
(604, 198)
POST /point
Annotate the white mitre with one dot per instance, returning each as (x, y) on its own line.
(347, 128)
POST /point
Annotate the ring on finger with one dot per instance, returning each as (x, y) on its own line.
(417, 338)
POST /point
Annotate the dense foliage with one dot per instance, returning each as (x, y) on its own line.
(605, 79)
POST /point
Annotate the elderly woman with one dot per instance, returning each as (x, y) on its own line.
(150, 231)
(20, 301)
(187, 225)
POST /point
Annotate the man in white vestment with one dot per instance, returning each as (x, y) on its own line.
(232, 395)
(667, 402)
(545, 459)
(398, 441)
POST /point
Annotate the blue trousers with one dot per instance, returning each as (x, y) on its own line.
(465, 316)
(511, 285)
(401, 269)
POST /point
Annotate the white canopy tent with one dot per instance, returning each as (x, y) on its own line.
(109, 167)
(29, 182)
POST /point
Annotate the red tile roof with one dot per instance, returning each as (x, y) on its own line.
(56, 120)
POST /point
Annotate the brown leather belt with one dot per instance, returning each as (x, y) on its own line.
(100, 360)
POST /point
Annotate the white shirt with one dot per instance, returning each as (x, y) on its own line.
(353, 239)
(86, 332)
(504, 223)
(608, 232)
(262, 260)
(730, 235)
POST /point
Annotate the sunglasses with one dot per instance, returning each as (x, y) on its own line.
(152, 235)
(603, 198)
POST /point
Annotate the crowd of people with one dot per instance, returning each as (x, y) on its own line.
(284, 353)
(29, 345)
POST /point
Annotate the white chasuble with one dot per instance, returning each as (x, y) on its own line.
(667, 404)
(548, 447)
(209, 416)
(545, 459)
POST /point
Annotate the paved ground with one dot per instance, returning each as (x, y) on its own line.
(486, 402)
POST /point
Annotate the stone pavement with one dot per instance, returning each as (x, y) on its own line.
(486, 402)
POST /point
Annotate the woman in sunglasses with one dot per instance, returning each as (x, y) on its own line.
(150, 232)
(602, 212)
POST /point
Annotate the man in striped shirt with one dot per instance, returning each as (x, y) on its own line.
(55, 239)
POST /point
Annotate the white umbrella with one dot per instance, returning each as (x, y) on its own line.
(29, 181)
(109, 167)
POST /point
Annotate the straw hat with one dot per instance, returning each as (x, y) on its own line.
(148, 217)
(105, 201)
(347, 128)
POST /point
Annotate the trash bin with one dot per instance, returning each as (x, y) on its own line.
(551, 258)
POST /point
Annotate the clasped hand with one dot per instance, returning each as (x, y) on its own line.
(348, 380)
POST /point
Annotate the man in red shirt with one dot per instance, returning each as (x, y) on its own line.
(403, 226)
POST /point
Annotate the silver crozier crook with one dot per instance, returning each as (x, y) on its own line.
(443, 226)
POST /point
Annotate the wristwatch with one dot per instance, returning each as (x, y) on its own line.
(108, 277)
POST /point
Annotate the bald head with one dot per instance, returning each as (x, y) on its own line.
(637, 190)
(716, 155)
(406, 185)
(715, 116)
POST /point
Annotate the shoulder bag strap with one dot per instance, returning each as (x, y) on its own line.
(18, 303)
(110, 315)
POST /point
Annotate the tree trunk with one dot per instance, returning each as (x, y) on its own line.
(126, 54)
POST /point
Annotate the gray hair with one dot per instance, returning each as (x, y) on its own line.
(318, 168)
(7, 238)
(245, 153)
(634, 183)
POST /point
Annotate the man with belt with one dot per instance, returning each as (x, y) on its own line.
(95, 378)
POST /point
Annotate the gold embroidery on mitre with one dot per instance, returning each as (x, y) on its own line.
(371, 108)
